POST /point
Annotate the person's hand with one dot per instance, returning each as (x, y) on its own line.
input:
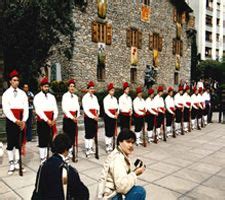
(75, 120)
(96, 118)
(140, 170)
(49, 122)
(130, 113)
(22, 126)
(18, 122)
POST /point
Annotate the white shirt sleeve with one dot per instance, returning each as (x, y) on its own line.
(65, 108)
(25, 108)
(106, 108)
(38, 109)
(6, 108)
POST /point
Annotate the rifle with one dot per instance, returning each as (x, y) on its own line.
(75, 154)
(144, 137)
(189, 120)
(20, 147)
(96, 142)
(155, 137)
(164, 130)
(182, 122)
(173, 126)
(114, 136)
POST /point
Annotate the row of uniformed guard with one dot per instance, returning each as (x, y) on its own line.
(182, 110)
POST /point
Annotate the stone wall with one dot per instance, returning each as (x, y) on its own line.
(122, 14)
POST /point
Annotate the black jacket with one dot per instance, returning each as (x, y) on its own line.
(50, 182)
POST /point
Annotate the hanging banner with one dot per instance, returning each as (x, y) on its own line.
(134, 56)
(101, 53)
(145, 13)
(102, 8)
(177, 62)
(155, 58)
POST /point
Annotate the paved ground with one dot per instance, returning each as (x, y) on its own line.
(188, 167)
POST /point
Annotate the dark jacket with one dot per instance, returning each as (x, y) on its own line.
(50, 182)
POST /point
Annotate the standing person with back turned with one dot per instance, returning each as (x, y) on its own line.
(91, 115)
(111, 113)
(47, 113)
(71, 110)
(118, 180)
(125, 107)
(15, 108)
(56, 180)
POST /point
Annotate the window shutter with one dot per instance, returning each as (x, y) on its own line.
(174, 46)
(94, 31)
(151, 41)
(160, 43)
(181, 48)
(109, 34)
(128, 37)
(175, 15)
(139, 34)
(155, 41)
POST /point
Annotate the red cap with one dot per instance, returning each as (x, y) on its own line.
(13, 74)
(44, 81)
(138, 90)
(160, 89)
(91, 84)
(180, 88)
(170, 89)
(200, 89)
(194, 89)
(71, 81)
(110, 86)
(150, 91)
(125, 85)
(187, 88)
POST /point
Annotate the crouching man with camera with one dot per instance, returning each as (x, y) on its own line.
(117, 180)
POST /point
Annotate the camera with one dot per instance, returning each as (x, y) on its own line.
(138, 163)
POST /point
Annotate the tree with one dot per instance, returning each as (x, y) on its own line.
(29, 29)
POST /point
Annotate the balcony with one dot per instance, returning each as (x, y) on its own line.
(208, 28)
(208, 44)
(209, 11)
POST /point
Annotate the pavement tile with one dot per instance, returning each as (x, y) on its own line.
(192, 175)
(206, 168)
(216, 182)
(4, 188)
(164, 167)
(206, 193)
(10, 196)
(152, 175)
(26, 192)
(177, 161)
(176, 184)
(222, 173)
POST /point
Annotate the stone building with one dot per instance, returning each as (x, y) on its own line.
(114, 42)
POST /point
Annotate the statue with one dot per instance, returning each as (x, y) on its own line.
(150, 76)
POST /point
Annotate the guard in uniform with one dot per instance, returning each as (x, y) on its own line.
(139, 114)
(179, 104)
(201, 106)
(91, 115)
(151, 113)
(15, 108)
(47, 113)
(194, 109)
(170, 111)
(125, 108)
(207, 99)
(111, 114)
(71, 110)
(187, 107)
(160, 105)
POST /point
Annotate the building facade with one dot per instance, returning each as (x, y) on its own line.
(210, 24)
(116, 40)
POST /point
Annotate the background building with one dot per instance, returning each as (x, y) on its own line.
(210, 24)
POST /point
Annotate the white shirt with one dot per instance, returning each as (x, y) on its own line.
(201, 101)
(90, 102)
(110, 102)
(178, 100)
(187, 100)
(200, 84)
(159, 102)
(194, 101)
(150, 106)
(125, 103)
(70, 103)
(139, 106)
(169, 101)
(206, 96)
(44, 103)
(15, 100)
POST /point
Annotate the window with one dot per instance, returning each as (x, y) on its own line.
(217, 22)
(217, 37)
(209, 4)
(155, 41)
(179, 17)
(133, 75)
(146, 2)
(176, 78)
(134, 38)
(208, 20)
(208, 52)
(102, 32)
(208, 36)
(101, 72)
(177, 47)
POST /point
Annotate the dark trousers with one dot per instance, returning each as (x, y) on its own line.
(139, 123)
(186, 114)
(150, 121)
(124, 122)
(91, 127)
(159, 120)
(29, 125)
(13, 134)
(179, 114)
(70, 128)
(45, 134)
(194, 113)
(169, 118)
(110, 126)
(222, 113)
